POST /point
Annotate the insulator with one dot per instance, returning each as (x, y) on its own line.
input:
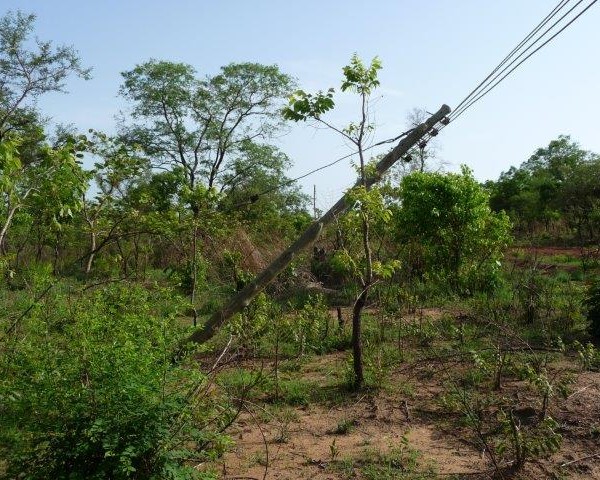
(422, 144)
(434, 132)
(445, 121)
(408, 159)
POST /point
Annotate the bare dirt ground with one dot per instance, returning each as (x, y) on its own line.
(376, 423)
(329, 440)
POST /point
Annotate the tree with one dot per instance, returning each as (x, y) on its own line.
(27, 74)
(580, 201)
(448, 217)
(544, 189)
(362, 80)
(256, 189)
(117, 170)
(51, 187)
(420, 156)
(200, 124)
(27, 164)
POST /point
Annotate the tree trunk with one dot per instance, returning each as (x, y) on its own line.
(194, 271)
(359, 378)
(88, 265)
(8, 221)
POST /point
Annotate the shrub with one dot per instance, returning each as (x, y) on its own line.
(89, 391)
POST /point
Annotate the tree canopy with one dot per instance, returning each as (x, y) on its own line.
(202, 124)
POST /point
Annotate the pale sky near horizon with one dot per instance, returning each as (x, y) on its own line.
(432, 52)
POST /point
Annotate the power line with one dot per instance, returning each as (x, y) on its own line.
(544, 21)
(255, 197)
(492, 81)
(458, 113)
(481, 90)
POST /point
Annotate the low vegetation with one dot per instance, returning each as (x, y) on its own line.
(441, 329)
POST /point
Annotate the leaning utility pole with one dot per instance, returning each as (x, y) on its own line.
(244, 297)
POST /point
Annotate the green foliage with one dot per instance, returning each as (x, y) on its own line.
(553, 193)
(367, 206)
(345, 426)
(254, 322)
(89, 390)
(296, 392)
(201, 125)
(309, 327)
(526, 444)
(256, 190)
(303, 106)
(508, 436)
(194, 274)
(47, 192)
(400, 461)
(27, 73)
(58, 184)
(545, 386)
(359, 78)
(449, 230)
(588, 354)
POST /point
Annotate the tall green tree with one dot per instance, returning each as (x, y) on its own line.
(200, 124)
(543, 191)
(26, 74)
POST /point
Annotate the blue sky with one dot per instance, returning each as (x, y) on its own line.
(432, 52)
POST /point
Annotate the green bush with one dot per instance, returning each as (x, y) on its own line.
(88, 390)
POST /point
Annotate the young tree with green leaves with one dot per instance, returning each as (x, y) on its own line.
(50, 187)
(117, 169)
(360, 79)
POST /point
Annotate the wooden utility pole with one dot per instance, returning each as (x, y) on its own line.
(243, 298)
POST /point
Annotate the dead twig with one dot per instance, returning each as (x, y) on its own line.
(406, 412)
(588, 457)
(262, 433)
(579, 391)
